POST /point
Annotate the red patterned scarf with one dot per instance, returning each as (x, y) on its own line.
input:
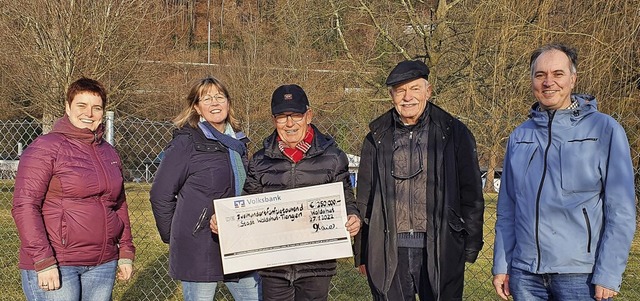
(296, 154)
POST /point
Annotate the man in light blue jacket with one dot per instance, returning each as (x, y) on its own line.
(566, 208)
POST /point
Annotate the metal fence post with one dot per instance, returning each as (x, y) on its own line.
(108, 131)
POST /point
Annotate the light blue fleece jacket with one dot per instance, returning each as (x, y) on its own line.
(566, 202)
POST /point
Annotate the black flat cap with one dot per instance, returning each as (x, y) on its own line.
(407, 70)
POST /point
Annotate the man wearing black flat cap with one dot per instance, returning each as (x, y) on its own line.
(420, 194)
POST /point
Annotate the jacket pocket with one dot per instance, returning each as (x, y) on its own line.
(115, 227)
(520, 158)
(588, 224)
(579, 165)
(457, 224)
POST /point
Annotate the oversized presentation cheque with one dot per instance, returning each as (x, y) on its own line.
(282, 227)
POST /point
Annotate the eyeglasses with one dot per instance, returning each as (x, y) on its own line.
(282, 118)
(409, 174)
(201, 220)
(209, 99)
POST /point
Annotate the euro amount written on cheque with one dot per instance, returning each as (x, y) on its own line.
(283, 227)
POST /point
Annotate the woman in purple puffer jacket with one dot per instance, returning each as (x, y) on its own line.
(69, 206)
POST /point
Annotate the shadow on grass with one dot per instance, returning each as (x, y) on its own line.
(151, 283)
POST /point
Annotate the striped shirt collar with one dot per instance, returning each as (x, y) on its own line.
(574, 105)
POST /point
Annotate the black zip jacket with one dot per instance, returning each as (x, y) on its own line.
(324, 162)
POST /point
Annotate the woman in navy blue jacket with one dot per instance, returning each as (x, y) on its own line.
(205, 160)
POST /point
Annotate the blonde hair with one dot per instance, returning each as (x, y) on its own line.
(189, 116)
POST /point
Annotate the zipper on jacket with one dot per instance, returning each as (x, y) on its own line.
(63, 229)
(385, 223)
(107, 189)
(544, 173)
(293, 175)
(410, 183)
(232, 173)
(586, 220)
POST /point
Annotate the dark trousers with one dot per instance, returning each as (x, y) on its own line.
(302, 289)
(411, 278)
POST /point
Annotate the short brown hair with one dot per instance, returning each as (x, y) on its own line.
(86, 85)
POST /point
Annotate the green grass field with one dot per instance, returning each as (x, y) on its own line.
(150, 281)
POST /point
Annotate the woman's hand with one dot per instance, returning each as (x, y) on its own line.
(213, 224)
(125, 271)
(49, 280)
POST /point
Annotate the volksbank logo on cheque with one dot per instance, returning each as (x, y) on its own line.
(253, 201)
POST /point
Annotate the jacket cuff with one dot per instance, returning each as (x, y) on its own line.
(55, 266)
(610, 282)
(45, 263)
(127, 254)
(354, 211)
(470, 256)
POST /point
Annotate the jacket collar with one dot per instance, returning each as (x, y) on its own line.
(64, 126)
(587, 105)
(432, 114)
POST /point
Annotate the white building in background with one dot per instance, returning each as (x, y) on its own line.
(354, 163)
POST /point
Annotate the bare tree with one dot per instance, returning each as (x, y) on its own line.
(51, 43)
(340, 50)
(478, 53)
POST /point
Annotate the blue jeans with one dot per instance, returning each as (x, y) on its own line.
(248, 288)
(525, 286)
(76, 283)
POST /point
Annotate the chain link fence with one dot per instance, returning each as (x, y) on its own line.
(140, 143)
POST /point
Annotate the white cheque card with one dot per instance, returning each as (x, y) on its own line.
(282, 227)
